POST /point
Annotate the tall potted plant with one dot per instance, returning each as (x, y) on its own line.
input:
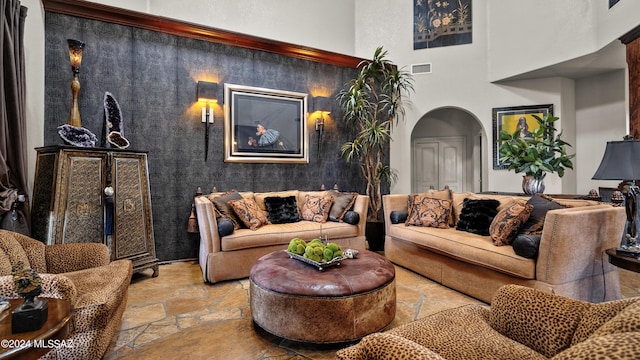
(536, 154)
(372, 103)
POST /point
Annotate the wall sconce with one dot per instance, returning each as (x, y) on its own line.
(75, 57)
(323, 105)
(207, 92)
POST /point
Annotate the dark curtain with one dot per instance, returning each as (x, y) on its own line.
(14, 208)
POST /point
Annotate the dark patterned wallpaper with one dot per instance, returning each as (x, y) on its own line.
(153, 77)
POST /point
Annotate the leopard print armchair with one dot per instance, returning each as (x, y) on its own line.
(80, 273)
(521, 323)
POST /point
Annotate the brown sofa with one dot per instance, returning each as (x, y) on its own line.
(522, 323)
(232, 256)
(571, 260)
(80, 273)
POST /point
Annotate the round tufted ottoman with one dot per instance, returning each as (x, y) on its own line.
(295, 301)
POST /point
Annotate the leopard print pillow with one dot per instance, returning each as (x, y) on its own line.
(316, 208)
(428, 212)
(249, 212)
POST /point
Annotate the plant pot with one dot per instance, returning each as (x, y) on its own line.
(374, 231)
(531, 185)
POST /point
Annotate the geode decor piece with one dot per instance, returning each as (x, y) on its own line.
(33, 312)
(77, 136)
(113, 122)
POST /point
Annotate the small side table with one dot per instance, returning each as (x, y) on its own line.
(624, 262)
(26, 345)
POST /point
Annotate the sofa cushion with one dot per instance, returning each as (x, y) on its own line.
(260, 197)
(470, 248)
(249, 212)
(281, 234)
(458, 201)
(440, 333)
(223, 209)
(342, 201)
(316, 208)
(282, 210)
(426, 211)
(444, 194)
(351, 217)
(225, 227)
(477, 214)
(398, 216)
(508, 221)
(541, 204)
(527, 245)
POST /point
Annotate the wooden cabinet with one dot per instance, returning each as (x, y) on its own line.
(70, 204)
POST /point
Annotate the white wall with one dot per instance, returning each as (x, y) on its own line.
(600, 117)
(532, 34)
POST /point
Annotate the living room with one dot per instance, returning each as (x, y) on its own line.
(521, 54)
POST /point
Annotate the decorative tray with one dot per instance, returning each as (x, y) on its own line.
(324, 264)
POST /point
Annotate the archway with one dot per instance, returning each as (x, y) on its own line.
(447, 147)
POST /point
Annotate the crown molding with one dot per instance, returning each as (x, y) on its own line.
(95, 11)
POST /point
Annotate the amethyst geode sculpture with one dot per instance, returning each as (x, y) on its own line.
(114, 123)
(77, 136)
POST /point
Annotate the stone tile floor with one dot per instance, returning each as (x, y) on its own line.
(177, 315)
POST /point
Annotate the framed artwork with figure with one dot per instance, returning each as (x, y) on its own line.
(511, 119)
(265, 125)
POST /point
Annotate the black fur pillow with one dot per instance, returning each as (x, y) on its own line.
(477, 214)
(281, 210)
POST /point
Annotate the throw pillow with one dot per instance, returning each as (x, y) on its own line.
(444, 194)
(527, 245)
(506, 224)
(225, 227)
(398, 216)
(351, 217)
(249, 212)
(223, 209)
(282, 210)
(476, 215)
(541, 204)
(316, 208)
(428, 212)
(342, 201)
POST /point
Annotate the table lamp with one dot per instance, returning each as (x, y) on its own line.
(621, 161)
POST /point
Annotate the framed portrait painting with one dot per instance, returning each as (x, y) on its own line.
(265, 125)
(511, 119)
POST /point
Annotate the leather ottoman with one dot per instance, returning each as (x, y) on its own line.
(295, 301)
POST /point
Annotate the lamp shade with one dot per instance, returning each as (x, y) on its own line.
(207, 91)
(621, 161)
(75, 54)
(322, 103)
